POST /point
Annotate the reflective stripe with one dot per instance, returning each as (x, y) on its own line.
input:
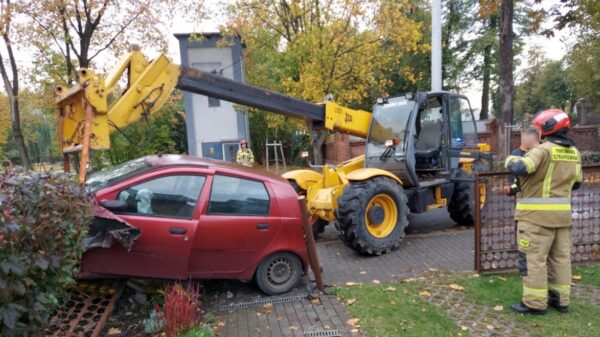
(579, 174)
(544, 201)
(543, 207)
(535, 292)
(563, 289)
(548, 181)
(529, 164)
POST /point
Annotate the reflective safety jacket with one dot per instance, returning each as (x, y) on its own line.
(548, 173)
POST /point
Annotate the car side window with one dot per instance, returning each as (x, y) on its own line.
(169, 196)
(232, 195)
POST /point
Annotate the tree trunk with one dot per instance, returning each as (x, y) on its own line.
(485, 90)
(506, 70)
(487, 70)
(506, 62)
(318, 139)
(16, 129)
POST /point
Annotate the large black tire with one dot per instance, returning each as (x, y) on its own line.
(462, 204)
(318, 224)
(352, 216)
(278, 273)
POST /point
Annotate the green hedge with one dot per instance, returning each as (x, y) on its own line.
(43, 219)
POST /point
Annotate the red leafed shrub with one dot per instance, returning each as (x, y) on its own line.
(43, 219)
(180, 310)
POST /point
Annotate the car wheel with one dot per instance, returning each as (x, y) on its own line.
(279, 273)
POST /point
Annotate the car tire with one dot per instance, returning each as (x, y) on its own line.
(317, 224)
(278, 273)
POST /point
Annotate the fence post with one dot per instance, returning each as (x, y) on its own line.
(477, 196)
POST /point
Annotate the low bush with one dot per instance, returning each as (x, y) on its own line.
(43, 219)
(180, 310)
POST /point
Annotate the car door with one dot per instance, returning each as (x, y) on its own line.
(238, 224)
(165, 208)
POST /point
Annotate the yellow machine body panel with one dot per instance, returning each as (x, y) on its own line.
(303, 178)
(324, 189)
(343, 119)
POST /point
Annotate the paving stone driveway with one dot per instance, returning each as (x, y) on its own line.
(446, 250)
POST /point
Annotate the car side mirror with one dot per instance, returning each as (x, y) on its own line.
(114, 205)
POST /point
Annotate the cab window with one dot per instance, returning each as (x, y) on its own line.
(462, 126)
(170, 196)
(231, 195)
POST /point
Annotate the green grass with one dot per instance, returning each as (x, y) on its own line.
(197, 332)
(589, 274)
(396, 313)
(505, 289)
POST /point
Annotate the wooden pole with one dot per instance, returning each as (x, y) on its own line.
(310, 244)
(85, 150)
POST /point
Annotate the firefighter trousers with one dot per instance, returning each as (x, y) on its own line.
(544, 263)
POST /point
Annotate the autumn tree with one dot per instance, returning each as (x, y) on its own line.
(10, 77)
(82, 30)
(311, 49)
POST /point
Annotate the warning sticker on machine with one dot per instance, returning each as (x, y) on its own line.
(564, 154)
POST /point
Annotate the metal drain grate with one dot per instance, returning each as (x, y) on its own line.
(257, 303)
(86, 310)
(322, 333)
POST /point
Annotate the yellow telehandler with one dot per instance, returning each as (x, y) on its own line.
(420, 152)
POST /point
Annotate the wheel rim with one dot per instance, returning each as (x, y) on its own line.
(279, 271)
(383, 228)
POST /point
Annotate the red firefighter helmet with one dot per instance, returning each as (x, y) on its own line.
(552, 120)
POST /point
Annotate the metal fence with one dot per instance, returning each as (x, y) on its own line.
(495, 228)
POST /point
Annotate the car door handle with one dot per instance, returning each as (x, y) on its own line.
(177, 230)
(262, 226)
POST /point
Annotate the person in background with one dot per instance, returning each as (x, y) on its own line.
(529, 139)
(244, 155)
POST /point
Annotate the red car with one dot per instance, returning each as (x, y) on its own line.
(182, 217)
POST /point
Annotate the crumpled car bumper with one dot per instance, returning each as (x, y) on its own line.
(107, 226)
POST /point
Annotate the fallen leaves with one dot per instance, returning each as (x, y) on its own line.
(362, 272)
(425, 293)
(315, 301)
(351, 301)
(490, 327)
(114, 331)
(456, 287)
(464, 328)
(389, 289)
(576, 278)
(353, 322)
(502, 278)
(376, 282)
(352, 284)
(267, 308)
(498, 308)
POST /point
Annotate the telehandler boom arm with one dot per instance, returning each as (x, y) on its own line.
(90, 110)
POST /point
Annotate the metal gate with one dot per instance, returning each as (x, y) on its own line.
(495, 228)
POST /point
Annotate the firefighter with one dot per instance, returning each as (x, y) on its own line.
(245, 155)
(548, 173)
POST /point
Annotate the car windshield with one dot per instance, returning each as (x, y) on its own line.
(115, 174)
(389, 122)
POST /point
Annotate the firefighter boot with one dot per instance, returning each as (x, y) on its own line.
(521, 308)
(554, 301)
